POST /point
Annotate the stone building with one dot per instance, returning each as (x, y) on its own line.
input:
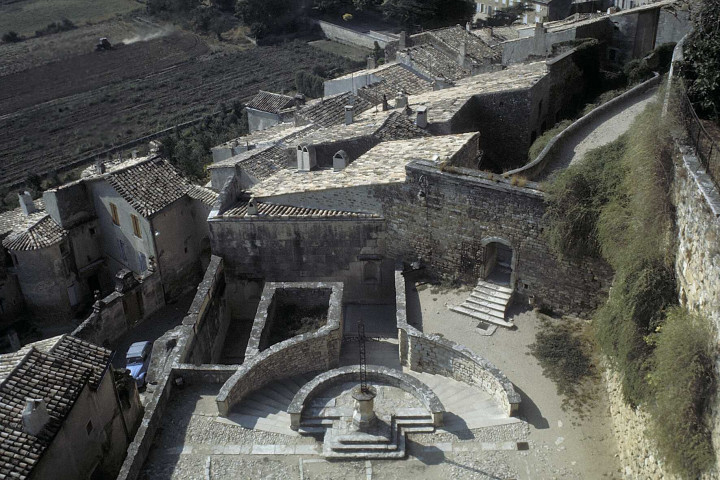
(63, 415)
(267, 109)
(134, 213)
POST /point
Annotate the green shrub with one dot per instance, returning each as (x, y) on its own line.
(565, 355)
(56, 27)
(682, 379)
(539, 144)
(11, 37)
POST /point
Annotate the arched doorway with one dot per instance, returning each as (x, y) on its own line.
(499, 261)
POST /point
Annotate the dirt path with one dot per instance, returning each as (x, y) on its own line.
(604, 129)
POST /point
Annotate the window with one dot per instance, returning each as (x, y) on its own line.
(114, 214)
(537, 8)
(136, 226)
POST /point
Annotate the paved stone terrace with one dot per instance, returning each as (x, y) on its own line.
(383, 164)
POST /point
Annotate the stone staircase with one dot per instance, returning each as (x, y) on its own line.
(266, 409)
(466, 407)
(488, 302)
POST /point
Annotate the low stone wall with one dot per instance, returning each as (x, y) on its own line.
(208, 316)
(118, 312)
(537, 166)
(422, 352)
(310, 352)
(273, 295)
(351, 37)
(375, 373)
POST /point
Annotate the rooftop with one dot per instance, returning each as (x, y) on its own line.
(393, 79)
(148, 185)
(272, 210)
(383, 164)
(475, 47)
(58, 377)
(329, 111)
(39, 231)
(15, 219)
(268, 135)
(270, 102)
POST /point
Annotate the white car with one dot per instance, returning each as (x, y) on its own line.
(137, 361)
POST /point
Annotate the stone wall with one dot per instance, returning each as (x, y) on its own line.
(537, 166)
(434, 354)
(446, 227)
(209, 316)
(317, 249)
(123, 309)
(351, 37)
(310, 352)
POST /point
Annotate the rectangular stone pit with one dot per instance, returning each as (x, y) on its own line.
(280, 310)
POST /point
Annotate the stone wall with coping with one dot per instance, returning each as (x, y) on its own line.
(175, 355)
(209, 316)
(351, 37)
(434, 354)
(375, 373)
(310, 352)
(537, 166)
(460, 209)
(117, 313)
(274, 295)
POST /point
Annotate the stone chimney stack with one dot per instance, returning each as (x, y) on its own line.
(403, 40)
(134, 153)
(27, 204)
(99, 167)
(422, 119)
(462, 53)
(468, 27)
(371, 62)
(252, 207)
(299, 100)
(35, 416)
(340, 160)
(401, 100)
(349, 114)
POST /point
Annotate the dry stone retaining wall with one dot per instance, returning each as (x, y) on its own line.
(434, 354)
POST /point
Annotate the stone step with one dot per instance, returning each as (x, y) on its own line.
(258, 405)
(263, 398)
(481, 316)
(368, 453)
(480, 309)
(486, 305)
(500, 302)
(311, 430)
(418, 429)
(494, 286)
(281, 391)
(491, 291)
(414, 421)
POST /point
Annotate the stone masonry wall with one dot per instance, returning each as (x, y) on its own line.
(310, 352)
(446, 228)
(422, 352)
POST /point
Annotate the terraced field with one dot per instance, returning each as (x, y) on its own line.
(62, 112)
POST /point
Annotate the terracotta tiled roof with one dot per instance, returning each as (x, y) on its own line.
(43, 233)
(37, 376)
(150, 185)
(88, 354)
(395, 78)
(266, 210)
(16, 219)
(270, 102)
(265, 163)
(8, 361)
(331, 110)
(205, 195)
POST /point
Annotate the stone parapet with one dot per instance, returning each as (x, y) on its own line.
(434, 354)
(375, 373)
(310, 352)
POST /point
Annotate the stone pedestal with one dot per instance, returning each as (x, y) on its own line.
(363, 414)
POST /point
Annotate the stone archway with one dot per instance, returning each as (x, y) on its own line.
(499, 261)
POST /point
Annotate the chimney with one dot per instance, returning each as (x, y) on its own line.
(403, 40)
(299, 100)
(99, 167)
(35, 416)
(401, 100)
(468, 26)
(134, 153)
(385, 106)
(421, 120)
(27, 204)
(371, 62)
(252, 207)
(462, 53)
(306, 158)
(349, 112)
(340, 160)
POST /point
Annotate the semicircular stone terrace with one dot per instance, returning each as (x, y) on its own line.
(375, 373)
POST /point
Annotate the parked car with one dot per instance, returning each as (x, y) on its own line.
(137, 361)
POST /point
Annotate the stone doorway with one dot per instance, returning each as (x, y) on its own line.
(499, 263)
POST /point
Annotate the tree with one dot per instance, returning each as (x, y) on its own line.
(11, 37)
(702, 59)
(508, 15)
